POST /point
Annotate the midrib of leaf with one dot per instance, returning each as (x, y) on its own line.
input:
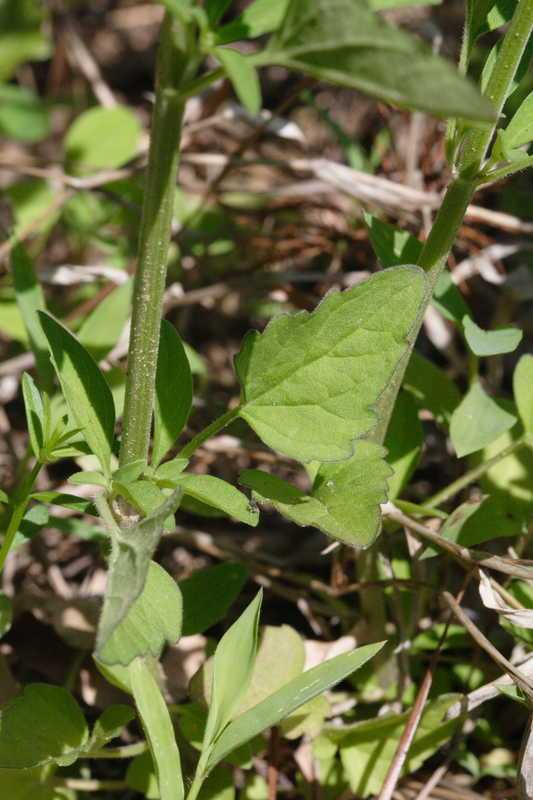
(324, 353)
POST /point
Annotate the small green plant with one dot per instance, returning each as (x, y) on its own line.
(321, 388)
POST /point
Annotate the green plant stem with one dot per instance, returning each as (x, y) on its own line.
(199, 776)
(177, 61)
(208, 432)
(477, 472)
(90, 785)
(21, 503)
(478, 139)
(127, 751)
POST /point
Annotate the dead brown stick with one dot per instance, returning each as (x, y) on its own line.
(468, 558)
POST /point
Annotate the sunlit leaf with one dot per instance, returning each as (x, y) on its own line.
(477, 421)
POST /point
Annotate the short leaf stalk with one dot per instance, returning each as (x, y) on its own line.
(177, 63)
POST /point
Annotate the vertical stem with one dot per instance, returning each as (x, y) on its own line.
(177, 61)
(19, 510)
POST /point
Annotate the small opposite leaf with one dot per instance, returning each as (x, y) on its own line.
(243, 76)
(520, 129)
(310, 382)
(490, 343)
(345, 499)
(109, 725)
(260, 17)
(159, 730)
(208, 594)
(131, 552)
(90, 477)
(220, 494)
(173, 398)
(130, 472)
(232, 669)
(153, 620)
(286, 700)
(42, 725)
(523, 391)
(477, 421)
(33, 405)
(86, 392)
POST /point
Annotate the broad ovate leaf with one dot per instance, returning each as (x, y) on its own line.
(293, 695)
(102, 138)
(42, 725)
(477, 421)
(345, 42)
(154, 620)
(173, 392)
(310, 382)
(131, 552)
(345, 499)
(88, 397)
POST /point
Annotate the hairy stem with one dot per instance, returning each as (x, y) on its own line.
(177, 61)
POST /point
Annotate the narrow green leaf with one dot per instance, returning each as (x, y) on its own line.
(431, 387)
(171, 470)
(159, 730)
(66, 500)
(310, 381)
(215, 10)
(243, 76)
(153, 621)
(33, 405)
(101, 329)
(86, 392)
(102, 138)
(345, 499)
(520, 129)
(109, 725)
(173, 400)
(345, 42)
(286, 700)
(231, 675)
(208, 594)
(477, 421)
(130, 472)
(491, 343)
(131, 552)
(392, 245)
(30, 300)
(260, 17)
(219, 494)
(88, 477)
(42, 725)
(523, 391)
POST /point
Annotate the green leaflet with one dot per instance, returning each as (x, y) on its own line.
(86, 392)
(310, 381)
(523, 391)
(477, 421)
(287, 699)
(403, 442)
(345, 499)
(431, 387)
(520, 129)
(208, 594)
(153, 620)
(102, 138)
(243, 76)
(159, 730)
(490, 343)
(345, 42)
(34, 408)
(109, 725)
(131, 552)
(23, 115)
(173, 396)
(260, 17)
(219, 494)
(54, 714)
(231, 675)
